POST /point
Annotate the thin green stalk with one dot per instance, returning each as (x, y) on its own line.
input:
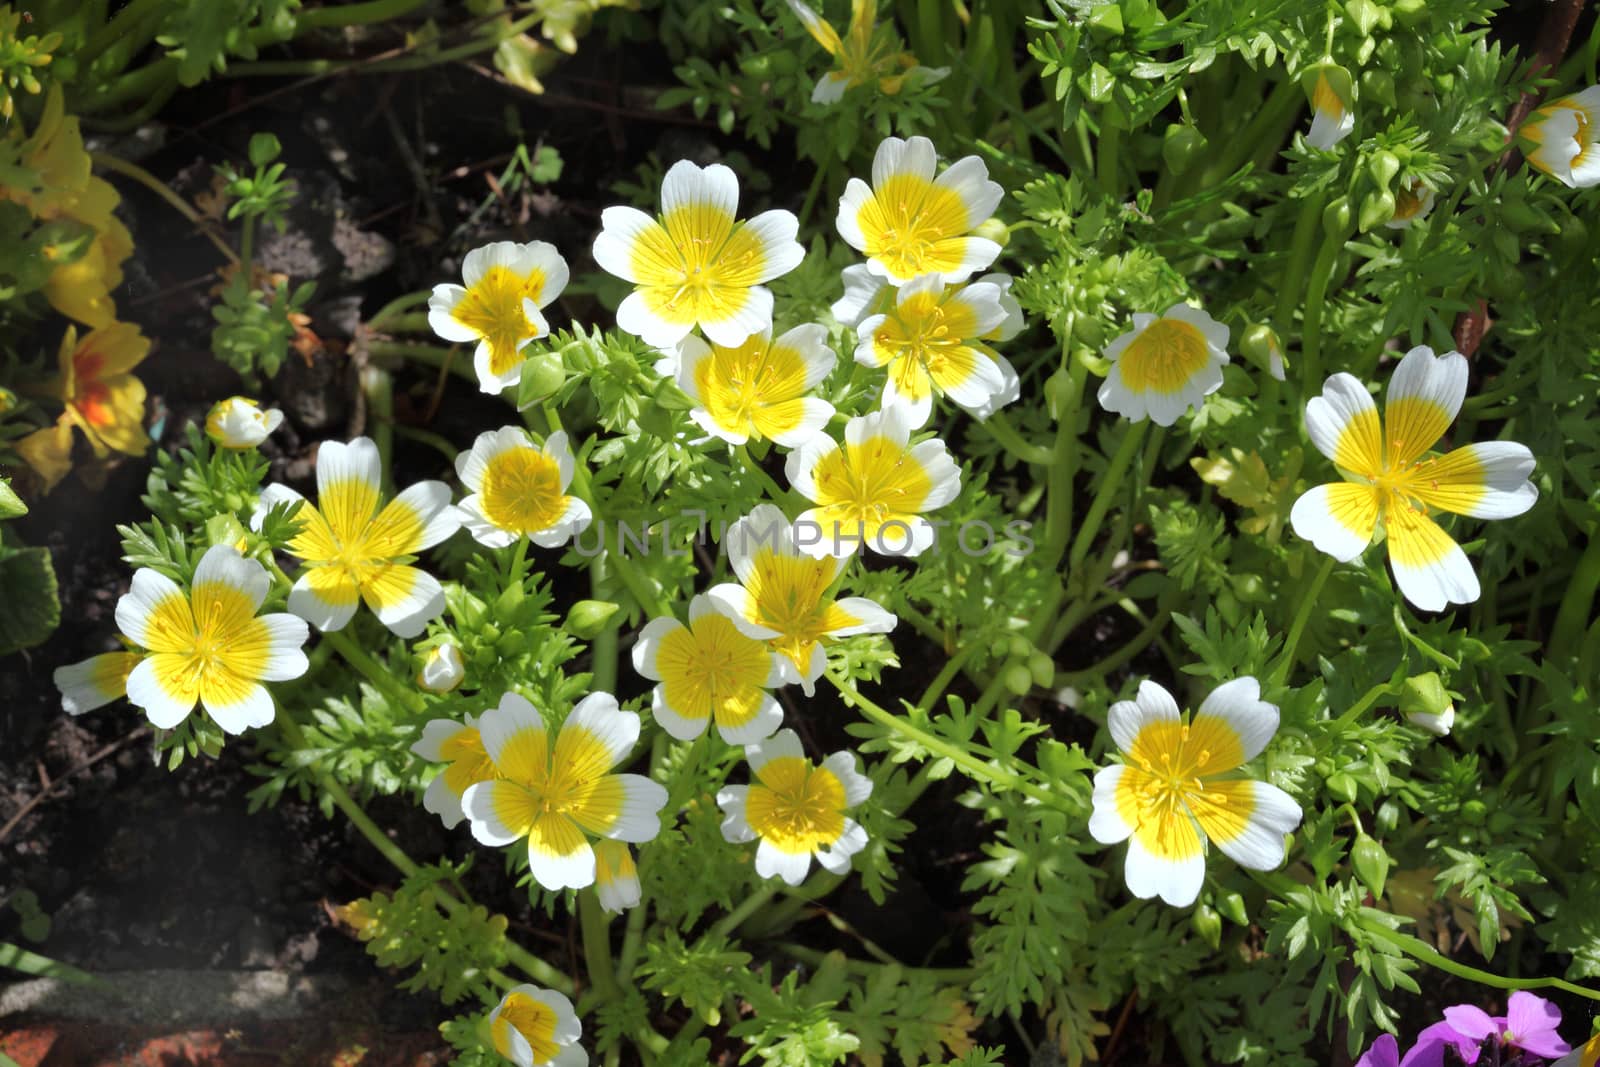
(396, 64)
(775, 493)
(1302, 615)
(430, 355)
(815, 958)
(354, 14)
(1108, 154)
(603, 646)
(18, 958)
(1235, 149)
(597, 945)
(118, 28)
(162, 190)
(378, 387)
(747, 907)
(140, 84)
(394, 307)
(1063, 470)
(1572, 617)
(1299, 259)
(437, 442)
(1316, 294)
(1110, 483)
(1139, 643)
(380, 676)
(946, 675)
(1001, 430)
(1420, 950)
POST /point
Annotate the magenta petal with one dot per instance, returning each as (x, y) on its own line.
(1431, 1043)
(1385, 1052)
(1545, 1043)
(1470, 1022)
(1530, 1014)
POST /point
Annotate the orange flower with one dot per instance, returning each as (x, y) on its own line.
(102, 398)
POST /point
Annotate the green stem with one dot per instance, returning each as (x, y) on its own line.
(1279, 104)
(396, 64)
(120, 26)
(394, 307)
(1108, 153)
(1302, 615)
(815, 958)
(1316, 293)
(774, 492)
(946, 675)
(1110, 483)
(354, 14)
(1002, 431)
(1063, 470)
(378, 388)
(1420, 950)
(382, 678)
(1572, 617)
(596, 945)
(747, 907)
(1299, 259)
(18, 958)
(438, 442)
(1140, 642)
(161, 189)
(430, 355)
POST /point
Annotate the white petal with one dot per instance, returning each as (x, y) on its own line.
(253, 708)
(144, 692)
(435, 732)
(688, 186)
(357, 461)
(134, 607)
(478, 803)
(750, 317)
(1128, 717)
(430, 502)
(871, 617)
(944, 477)
(326, 615)
(1438, 380)
(1106, 824)
(634, 316)
(835, 858)
(735, 827)
(1506, 490)
(785, 744)
(800, 467)
(767, 718)
(1434, 584)
(501, 725)
(1177, 882)
(1331, 529)
(620, 230)
(792, 867)
(441, 318)
(781, 253)
(617, 731)
(1239, 704)
(679, 727)
(857, 786)
(285, 660)
(640, 819)
(968, 178)
(271, 496)
(439, 799)
(1260, 846)
(861, 286)
(541, 256)
(477, 262)
(648, 645)
(857, 194)
(1344, 400)
(408, 616)
(915, 156)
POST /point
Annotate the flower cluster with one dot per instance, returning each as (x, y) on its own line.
(1527, 1030)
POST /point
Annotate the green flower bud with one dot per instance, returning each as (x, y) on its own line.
(995, 230)
(1000, 648)
(1475, 812)
(1365, 14)
(1106, 21)
(1181, 146)
(1017, 679)
(1409, 12)
(668, 397)
(1377, 208)
(1425, 703)
(1058, 394)
(1098, 83)
(1343, 786)
(1261, 346)
(1232, 905)
(508, 600)
(1383, 166)
(1336, 218)
(1371, 863)
(1388, 816)
(264, 148)
(1207, 925)
(1042, 668)
(588, 617)
(543, 376)
(1020, 647)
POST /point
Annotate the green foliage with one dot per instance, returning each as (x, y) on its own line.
(28, 575)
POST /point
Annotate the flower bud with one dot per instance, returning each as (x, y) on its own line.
(1336, 218)
(668, 397)
(1017, 679)
(1343, 786)
(1377, 208)
(442, 669)
(1042, 668)
(588, 617)
(994, 230)
(1383, 166)
(238, 423)
(1232, 905)
(1426, 705)
(1371, 863)
(542, 377)
(1207, 925)
(1181, 146)
(1261, 346)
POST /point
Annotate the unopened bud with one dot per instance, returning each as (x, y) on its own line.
(588, 617)
(442, 669)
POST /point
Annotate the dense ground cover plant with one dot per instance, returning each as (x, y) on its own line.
(1050, 413)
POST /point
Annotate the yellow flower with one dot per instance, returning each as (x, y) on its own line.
(556, 799)
(1178, 787)
(519, 489)
(49, 451)
(931, 341)
(710, 671)
(1388, 482)
(697, 265)
(352, 550)
(1563, 138)
(861, 55)
(909, 223)
(535, 1027)
(209, 646)
(616, 879)
(757, 389)
(459, 745)
(96, 681)
(796, 810)
(239, 424)
(1165, 365)
(782, 596)
(102, 398)
(507, 284)
(875, 489)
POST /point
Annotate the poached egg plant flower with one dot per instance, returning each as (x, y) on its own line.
(95, 682)
(535, 1027)
(1178, 786)
(758, 389)
(458, 745)
(1563, 138)
(239, 424)
(795, 809)
(209, 646)
(519, 489)
(507, 284)
(875, 489)
(709, 671)
(556, 797)
(1165, 365)
(351, 549)
(782, 596)
(909, 223)
(616, 877)
(931, 340)
(861, 54)
(1329, 89)
(697, 265)
(1390, 484)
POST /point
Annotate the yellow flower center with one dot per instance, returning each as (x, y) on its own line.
(211, 645)
(493, 309)
(1164, 357)
(868, 485)
(522, 491)
(711, 669)
(794, 806)
(534, 1020)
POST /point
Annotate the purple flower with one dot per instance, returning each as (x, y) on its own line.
(1385, 1052)
(1529, 1025)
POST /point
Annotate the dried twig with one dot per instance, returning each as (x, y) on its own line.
(54, 786)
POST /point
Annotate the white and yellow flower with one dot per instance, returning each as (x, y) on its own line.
(875, 490)
(519, 489)
(1563, 138)
(758, 389)
(1165, 365)
(535, 1027)
(351, 550)
(861, 54)
(710, 671)
(697, 265)
(238, 423)
(1332, 118)
(458, 745)
(782, 596)
(909, 223)
(1412, 202)
(499, 308)
(95, 682)
(209, 646)
(796, 810)
(1389, 482)
(616, 879)
(863, 293)
(1179, 786)
(932, 341)
(555, 799)
(442, 669)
